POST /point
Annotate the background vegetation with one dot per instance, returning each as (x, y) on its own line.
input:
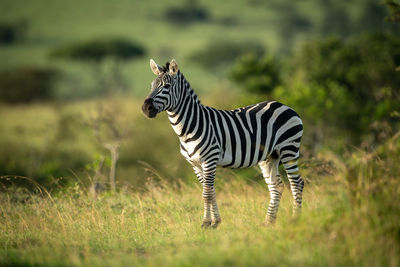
(87, 180)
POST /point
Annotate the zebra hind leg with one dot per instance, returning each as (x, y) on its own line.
(296, 183)
(272, 177)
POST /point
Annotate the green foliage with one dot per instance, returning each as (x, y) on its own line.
(190, 12)
(223, 52)
(290, 20)
(99, 49)
(111, 53)
(394, 8)
(12, 32)
(336, 19)
(255, 74)
(372, 17)
(26, 84)
(364, 78)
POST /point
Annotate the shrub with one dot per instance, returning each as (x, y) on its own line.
(110, 53)
(290, 20)
(26, 84)
(12, 32)
(256, 75)
(188, 13)
(394, 8)
(99, 49)
(364, 69)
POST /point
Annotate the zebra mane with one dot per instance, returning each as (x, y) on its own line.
(187, 86)
(166, 67)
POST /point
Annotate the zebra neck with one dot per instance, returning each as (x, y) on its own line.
(184, 118)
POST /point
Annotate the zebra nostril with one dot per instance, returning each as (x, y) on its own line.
(150, 108)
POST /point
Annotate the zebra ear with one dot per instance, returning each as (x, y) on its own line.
(157, 69)
(173, 67)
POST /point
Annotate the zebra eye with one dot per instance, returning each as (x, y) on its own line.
(167, 85)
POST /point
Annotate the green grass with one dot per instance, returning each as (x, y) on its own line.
(350, 216)
(162, 227)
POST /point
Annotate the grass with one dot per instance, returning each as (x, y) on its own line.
(343, 223)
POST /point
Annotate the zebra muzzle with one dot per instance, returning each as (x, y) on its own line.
(149, 109)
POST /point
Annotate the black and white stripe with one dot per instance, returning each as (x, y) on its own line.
(267, 133)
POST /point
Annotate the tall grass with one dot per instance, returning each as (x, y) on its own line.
(350, 217)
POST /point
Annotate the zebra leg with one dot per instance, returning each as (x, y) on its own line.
(272, 177)
(209, 196)
(296, 183)
(207, 204)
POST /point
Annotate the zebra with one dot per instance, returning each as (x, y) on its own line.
(267, 134)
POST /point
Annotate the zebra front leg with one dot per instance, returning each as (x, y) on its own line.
(210, 201)
(207, 204)
(207, 213)
(271, 175)
(209, 196)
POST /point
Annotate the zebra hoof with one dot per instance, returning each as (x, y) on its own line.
(215, 223)
(296, 212)
(206, 224)
(270, 222)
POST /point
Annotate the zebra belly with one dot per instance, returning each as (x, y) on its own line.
(228, 160)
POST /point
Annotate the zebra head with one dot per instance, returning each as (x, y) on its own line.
(164, 92)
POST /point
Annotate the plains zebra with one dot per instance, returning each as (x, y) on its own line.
(267, 133)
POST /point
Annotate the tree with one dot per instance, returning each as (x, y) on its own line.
(26, 84)
(110, 132)
(96, 52)
(255, 74)
(394, 8)
(358, 78)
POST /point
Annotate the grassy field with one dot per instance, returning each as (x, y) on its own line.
(345, 222)
(51, 152)
(350, 215)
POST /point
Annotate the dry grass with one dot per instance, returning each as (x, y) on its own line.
(342, 224)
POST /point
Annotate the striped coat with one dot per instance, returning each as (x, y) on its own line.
(267, 134)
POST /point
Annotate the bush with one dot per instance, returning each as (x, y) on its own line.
(394, 9)
(12, 32)
(188, 13)
(26, 84)
(349, 89)
(363, 69)
(256, 75)
(99, 49)
(110, 53)
(366, 67)
(223, 52)
(290, 20)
